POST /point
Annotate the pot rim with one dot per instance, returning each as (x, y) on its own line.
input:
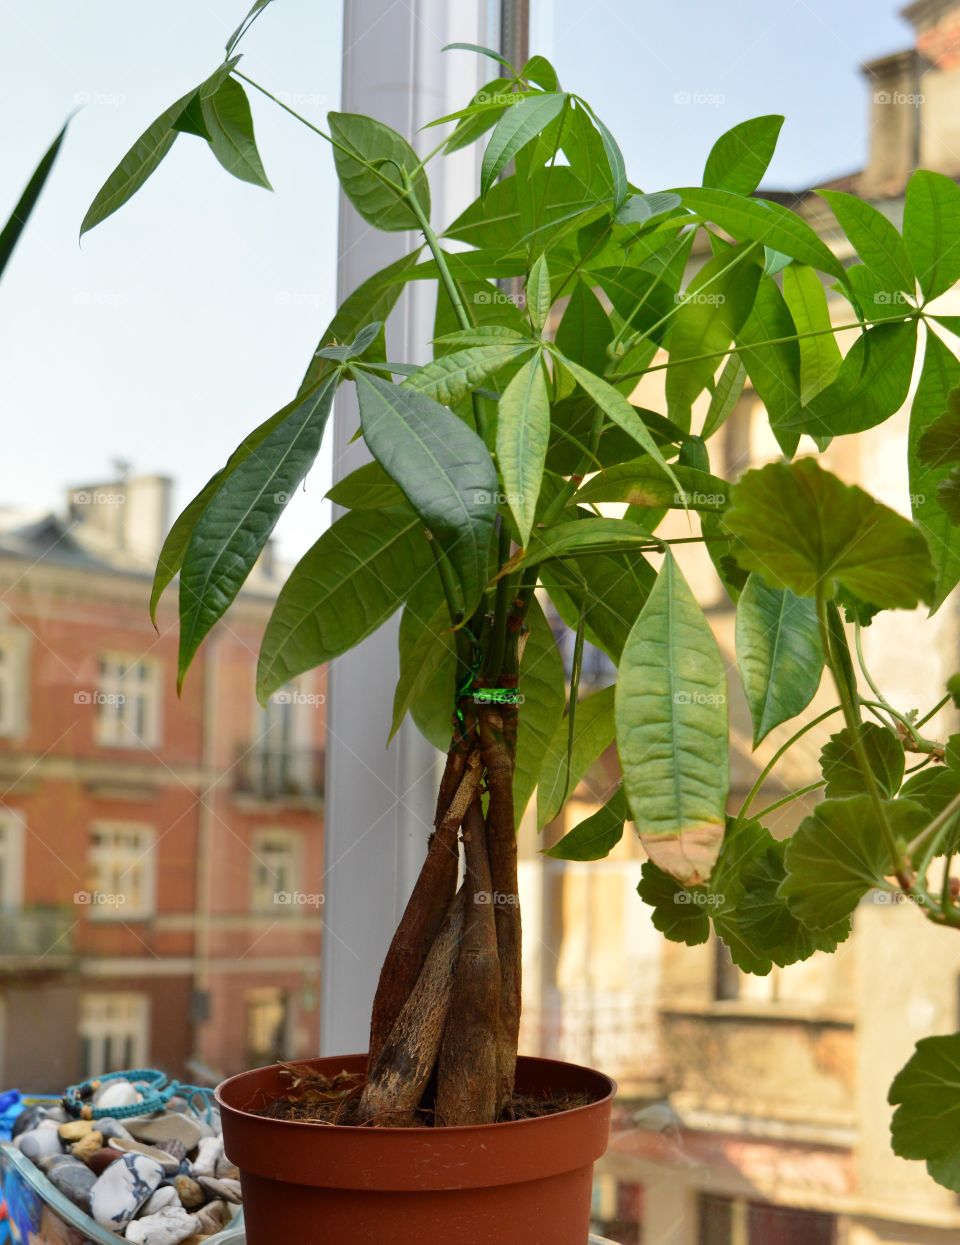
(419, 1130)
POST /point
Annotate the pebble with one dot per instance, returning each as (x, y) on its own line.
(190, 1193)
(100, 1161)
(87, 1146)
(229, 1190)
(111, 1128)
(74, 1130)
(116, 1094)
(39, 1142)
(213, 1217)
(123, 1188)
(75, 1181)
(174, 1148)
(227, 1170)
(166, 1195)
(209, 1153)
(174, 1127)
(169, 1226)
(27, 1120)
(169, 1164)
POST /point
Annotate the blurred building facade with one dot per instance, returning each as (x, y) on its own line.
(160, 858)
(753, 1109)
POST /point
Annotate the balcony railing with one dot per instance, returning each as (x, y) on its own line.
(279, 774)
(41, 936)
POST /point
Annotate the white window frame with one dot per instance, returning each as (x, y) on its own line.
(14, 681)
(12, 834)
(108, 881)
(124, 681)
(266, 884)
(114, 1017)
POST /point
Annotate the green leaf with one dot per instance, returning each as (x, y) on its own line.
(939, 445)
(754, 920)
(820, 358)
(876, 301)
(230, 534)
(671, 713)
(367, 488)
(539, 71)
(368, 156)
(523, 433)
(451, 377)
(874, 238)
(539, 295)
(427, 662)
(802, 528)
(616, 407)
(641, 482)
(544, 696)
(143, 158)
(245, 25)
(740, 157)
(500, 219)
(679, 913)
(480, 116)
(353, 350)
(191, 119)
(518, 125)
(371, 301)
(578, 538)
(926, 1093)
(838, 854)
(773, 364)
(481, 51)
(615, 587)
(597, 835)
(872, 384)
(711, 311)
(778, 652)
(443, 468)
(839, 765)
(726, 395)
(28, 200)
(618, 169)
(341, 590)
(758, 220)
(594, 730)
(229, 123)
(948, 496)
(585, 331)
(940, 375)
(641, 209)
(931, 230)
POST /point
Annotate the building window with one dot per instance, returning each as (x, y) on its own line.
(128, 702)
(114, 1032)
(11, 861)
(121, 871)
(276, 871)
(729, 1221)
(14, 681)
(268, 1026)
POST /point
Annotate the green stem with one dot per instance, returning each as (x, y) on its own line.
(767, 769)
(722, 354)
(501, 611)
(788, 799)
(941, 704)
(837, 656)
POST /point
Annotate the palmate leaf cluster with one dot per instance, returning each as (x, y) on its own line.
(498, 467)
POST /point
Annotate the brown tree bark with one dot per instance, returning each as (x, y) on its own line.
(429, 901)
(467, 1074)
(395, 1083)
(498, 727)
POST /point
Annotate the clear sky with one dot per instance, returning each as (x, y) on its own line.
(188, 317)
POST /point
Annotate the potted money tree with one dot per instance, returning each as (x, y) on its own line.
(515, 474)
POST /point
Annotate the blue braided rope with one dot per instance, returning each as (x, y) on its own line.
(155, 1090)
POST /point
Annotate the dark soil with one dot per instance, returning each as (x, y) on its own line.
(318, 1099)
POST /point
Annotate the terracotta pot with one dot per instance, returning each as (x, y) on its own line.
(522, 1183)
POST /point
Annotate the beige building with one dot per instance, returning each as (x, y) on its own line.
(753, 1109)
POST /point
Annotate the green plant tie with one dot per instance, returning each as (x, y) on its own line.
(483, 695)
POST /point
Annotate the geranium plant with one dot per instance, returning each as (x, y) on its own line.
(490, 466)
